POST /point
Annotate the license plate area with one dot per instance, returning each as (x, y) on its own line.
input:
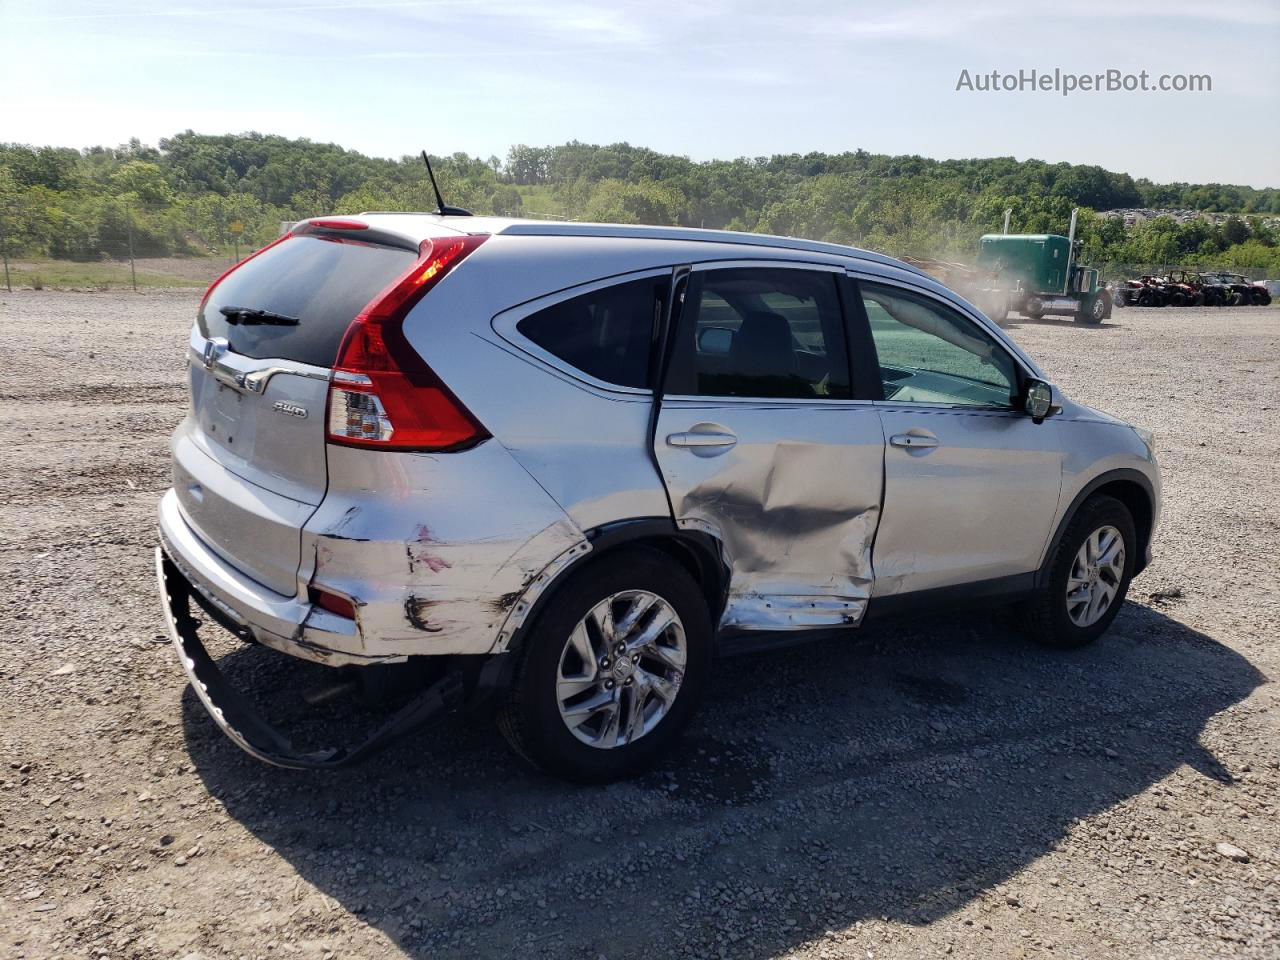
(229, 423)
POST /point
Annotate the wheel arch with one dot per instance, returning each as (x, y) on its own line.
(1132, 488)
(698, 553)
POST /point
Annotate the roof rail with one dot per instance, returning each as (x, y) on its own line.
(554, 229)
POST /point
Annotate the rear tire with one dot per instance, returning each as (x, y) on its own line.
(561, 702)
(1058, 617)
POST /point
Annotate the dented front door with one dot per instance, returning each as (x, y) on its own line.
(761, 446)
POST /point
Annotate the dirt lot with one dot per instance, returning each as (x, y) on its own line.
(917, 791)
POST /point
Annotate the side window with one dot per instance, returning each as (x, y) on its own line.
(931, 354)
(762, 332)
(607, 333)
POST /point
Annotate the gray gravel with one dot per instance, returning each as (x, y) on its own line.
(926, 790)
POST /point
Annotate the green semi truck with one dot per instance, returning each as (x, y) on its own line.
(1036, 274)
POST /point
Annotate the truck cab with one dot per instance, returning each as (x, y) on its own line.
(1040, 275)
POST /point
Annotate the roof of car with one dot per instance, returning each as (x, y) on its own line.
(429, 223)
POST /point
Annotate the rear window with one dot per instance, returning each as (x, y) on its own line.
(323, 283)
(607, 333)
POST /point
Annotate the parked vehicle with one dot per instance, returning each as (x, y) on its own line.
(553, 469)
(1184, 289)
(1217, 293)
(1145, 291)
(1244, 292)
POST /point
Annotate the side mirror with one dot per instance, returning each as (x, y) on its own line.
(717, 340)
(1038, 400)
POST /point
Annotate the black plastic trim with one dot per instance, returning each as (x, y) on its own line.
(981, 593)
(864, 362)
(660, 364)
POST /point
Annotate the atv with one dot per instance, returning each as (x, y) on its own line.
(1184, 289)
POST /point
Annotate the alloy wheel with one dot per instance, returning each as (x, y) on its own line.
(621, 669)
(1095, 577)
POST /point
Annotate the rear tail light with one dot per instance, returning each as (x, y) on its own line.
(383, 395)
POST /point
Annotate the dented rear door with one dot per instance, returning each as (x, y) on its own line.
(761, 445)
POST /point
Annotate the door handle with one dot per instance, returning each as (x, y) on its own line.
(701, 439)
(913, 440)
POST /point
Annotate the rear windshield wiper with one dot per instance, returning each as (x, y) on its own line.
(250, 315)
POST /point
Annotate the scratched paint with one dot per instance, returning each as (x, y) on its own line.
(436, 552)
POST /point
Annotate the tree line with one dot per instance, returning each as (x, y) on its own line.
(187, 196)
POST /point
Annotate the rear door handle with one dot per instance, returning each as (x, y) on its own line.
(701, 439)
(913, 440)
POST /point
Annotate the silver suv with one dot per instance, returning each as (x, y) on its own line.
(556, 468)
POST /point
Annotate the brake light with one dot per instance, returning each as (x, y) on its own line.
(338, 224)
(382, 394)
(237, 265)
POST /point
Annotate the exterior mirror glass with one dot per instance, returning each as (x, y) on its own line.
(1039, 400)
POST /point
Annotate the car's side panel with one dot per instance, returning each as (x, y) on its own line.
(1094, 448)
(977, 506)
(583, 442)
(434, 551)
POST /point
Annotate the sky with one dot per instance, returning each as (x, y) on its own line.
(702, 78)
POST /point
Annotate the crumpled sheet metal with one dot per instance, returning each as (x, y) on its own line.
(796, 523)
(437, 566)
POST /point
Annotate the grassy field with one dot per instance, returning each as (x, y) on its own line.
(32, 274)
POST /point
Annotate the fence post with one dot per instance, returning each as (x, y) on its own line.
(133, 274)
(4, 249)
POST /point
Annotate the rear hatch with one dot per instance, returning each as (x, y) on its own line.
(249, 461)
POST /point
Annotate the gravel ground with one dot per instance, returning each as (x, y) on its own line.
(926, 790)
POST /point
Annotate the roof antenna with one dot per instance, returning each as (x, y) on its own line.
(444, 211)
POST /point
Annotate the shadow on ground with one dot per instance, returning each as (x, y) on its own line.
(1014, 322)
(895, 773)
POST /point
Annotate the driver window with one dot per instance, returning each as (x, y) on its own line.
(930, 354)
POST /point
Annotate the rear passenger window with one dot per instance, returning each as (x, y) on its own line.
(762, 332)
(608, 333)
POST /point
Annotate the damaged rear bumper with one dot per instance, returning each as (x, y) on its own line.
(288, 624)
(237, 717)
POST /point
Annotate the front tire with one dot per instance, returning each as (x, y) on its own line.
(612, 670)
(1094, 309)
(1089, 576)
